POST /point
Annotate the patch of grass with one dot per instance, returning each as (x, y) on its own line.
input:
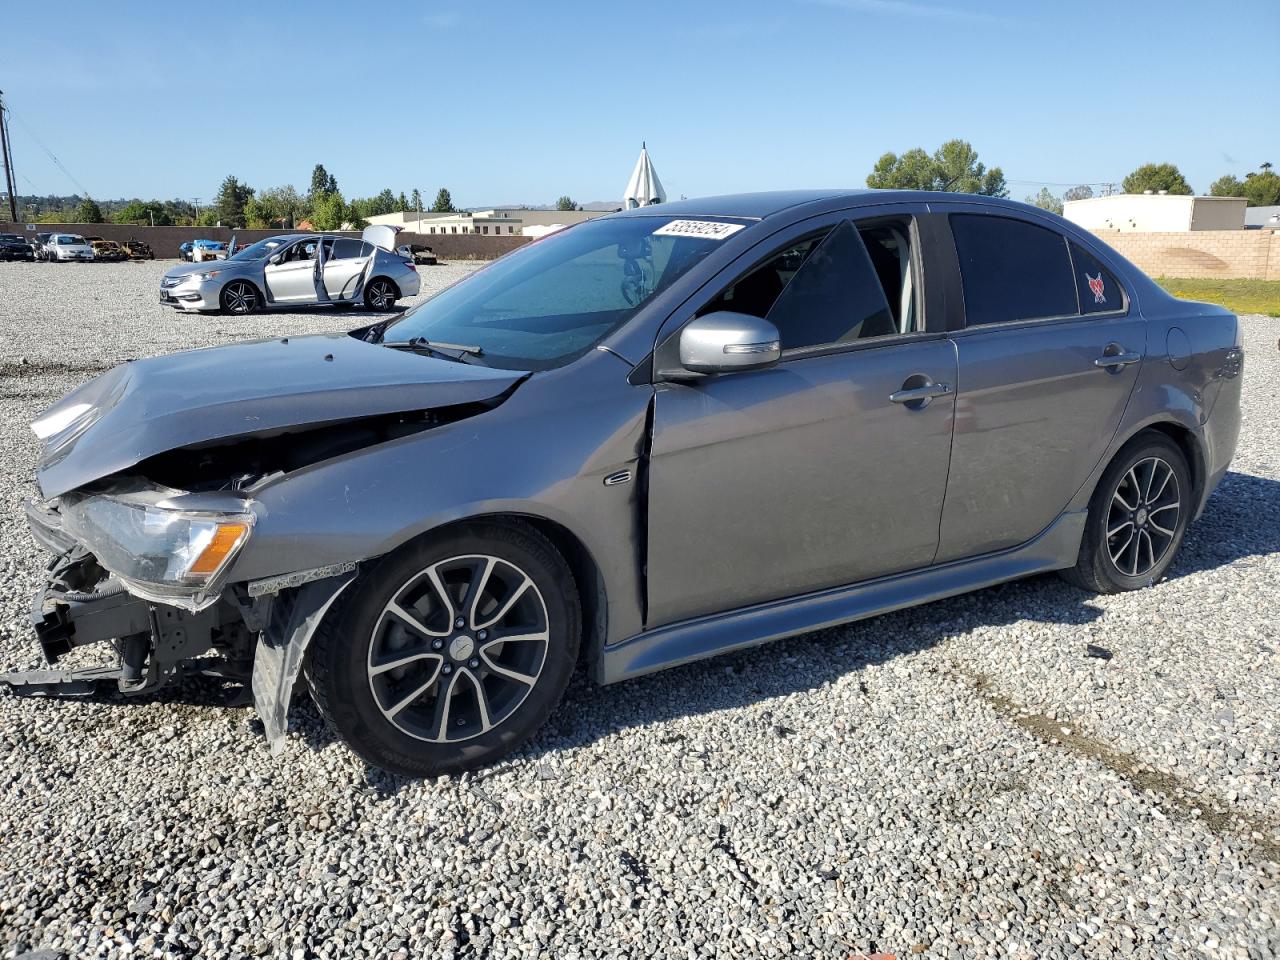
(1239, 296)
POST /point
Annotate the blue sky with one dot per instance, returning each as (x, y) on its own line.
(522, 102)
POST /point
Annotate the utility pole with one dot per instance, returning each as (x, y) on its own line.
(10, 183)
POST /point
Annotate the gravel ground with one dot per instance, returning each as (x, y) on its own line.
(956, 780)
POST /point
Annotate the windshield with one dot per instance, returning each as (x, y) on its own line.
(69, 241)
(258, 251)
(555, 299)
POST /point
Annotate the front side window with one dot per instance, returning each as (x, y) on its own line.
(258, 251)
(1012, 270)
(1095, 285)
(555, 299)
(827, 289)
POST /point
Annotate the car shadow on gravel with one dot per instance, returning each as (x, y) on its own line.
(1241, 522)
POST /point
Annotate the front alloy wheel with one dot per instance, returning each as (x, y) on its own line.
(450, 652)
(239, 297)
(458, 648)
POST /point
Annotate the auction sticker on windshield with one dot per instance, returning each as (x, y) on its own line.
(706, 229)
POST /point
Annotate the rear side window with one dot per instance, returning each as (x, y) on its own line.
(1095, 284)
(345, 248)
(1012, 270)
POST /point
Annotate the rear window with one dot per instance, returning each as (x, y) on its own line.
(1095, 284)
(1012, 270)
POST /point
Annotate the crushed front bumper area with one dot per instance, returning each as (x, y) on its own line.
(257, 638)
(80, 604)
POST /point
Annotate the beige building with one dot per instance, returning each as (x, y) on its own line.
(1156, 213)
(503, 221)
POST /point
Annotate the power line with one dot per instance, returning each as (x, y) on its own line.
(40, 143)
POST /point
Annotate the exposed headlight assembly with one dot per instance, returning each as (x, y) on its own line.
(160, 553)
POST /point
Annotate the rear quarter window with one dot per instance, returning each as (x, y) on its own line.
(1095, 284)
(1012, 270)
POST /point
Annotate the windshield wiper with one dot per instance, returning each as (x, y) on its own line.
(438, 347)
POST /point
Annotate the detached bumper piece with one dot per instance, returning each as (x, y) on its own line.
(153, 643)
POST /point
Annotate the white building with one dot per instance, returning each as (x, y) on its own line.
(1156, 212)
(498, 221)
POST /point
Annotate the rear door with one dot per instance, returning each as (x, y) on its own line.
(1038, 402)
(826, 469)
(343, 267)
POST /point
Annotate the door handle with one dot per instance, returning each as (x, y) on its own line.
(1116, 356)
(916, 394)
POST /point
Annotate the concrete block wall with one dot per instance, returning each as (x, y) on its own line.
(1225, 254)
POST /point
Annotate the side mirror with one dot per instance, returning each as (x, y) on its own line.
(725, 341)
(274, 258)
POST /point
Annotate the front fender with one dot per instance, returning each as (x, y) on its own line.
(543, 453)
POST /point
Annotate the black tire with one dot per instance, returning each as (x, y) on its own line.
(1128, 539)
(418, 723)
(380, 295)
(239, 298)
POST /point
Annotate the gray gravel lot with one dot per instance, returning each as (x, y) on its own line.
(956, 780)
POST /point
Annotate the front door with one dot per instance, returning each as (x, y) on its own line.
(824, 470)
(295, 278)
(1038, 401)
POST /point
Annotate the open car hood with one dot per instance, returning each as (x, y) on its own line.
(147, 407)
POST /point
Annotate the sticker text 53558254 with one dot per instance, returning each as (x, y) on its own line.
(703, 229)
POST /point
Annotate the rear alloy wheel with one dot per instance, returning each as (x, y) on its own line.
(380, 295)
(1137, 517)
(239, 297)
(450, 652)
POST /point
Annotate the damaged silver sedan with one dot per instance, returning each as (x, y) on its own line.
(649, 438)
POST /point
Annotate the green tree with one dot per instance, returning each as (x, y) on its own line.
(1156, 177)
(1226, 186)
(415, 201)
(1046, 201)
(230, 201)
(88, 212)
(444, 202)
(402, 204)
(566, 203)
(282, 204)
(914, 170)
(328, 211)
(136, 211)
(384, 202)
(1262, 189)
(258, 215)
(355, 218)
(322, 181)
(1082, 192)
(208, 217)
(953, 167)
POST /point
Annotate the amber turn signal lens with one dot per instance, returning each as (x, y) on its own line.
(225, 540)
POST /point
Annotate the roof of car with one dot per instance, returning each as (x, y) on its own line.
(757, 206)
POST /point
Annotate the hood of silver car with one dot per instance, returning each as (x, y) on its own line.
(187, 269)
(146, 407)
